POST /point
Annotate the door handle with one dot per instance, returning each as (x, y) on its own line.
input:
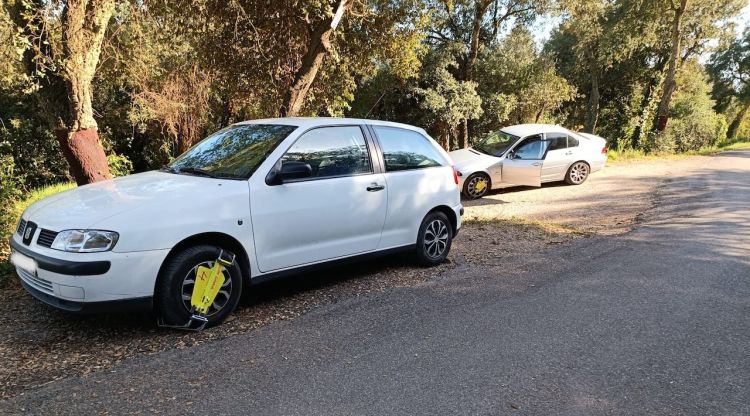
(536, 164)
(568, 153)
(375, 187)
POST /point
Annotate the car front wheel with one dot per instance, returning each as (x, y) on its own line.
(434, 239)
(175, 286)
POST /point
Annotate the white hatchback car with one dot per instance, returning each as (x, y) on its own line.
(281, 195)
(528, 154)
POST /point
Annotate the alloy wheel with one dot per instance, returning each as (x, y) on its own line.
(436, 238)
(222, 298)
(579, 172)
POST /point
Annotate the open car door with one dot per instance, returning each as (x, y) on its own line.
(523, 164)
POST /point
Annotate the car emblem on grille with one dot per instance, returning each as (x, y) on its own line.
(27, 234)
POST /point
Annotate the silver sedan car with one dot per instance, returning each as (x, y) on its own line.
(528, 155)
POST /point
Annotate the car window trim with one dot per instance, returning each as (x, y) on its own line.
(382, 155)
(301, 135)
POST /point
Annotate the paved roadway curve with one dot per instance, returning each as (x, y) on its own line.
(656, 321)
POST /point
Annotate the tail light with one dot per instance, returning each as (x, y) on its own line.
(604, 150)
(455, 175)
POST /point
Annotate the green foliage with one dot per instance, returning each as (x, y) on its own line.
(9, 193)
(119, 165)
(693, 122)
(518, 84)
(445, 100)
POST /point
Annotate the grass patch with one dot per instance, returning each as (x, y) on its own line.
(635, 155)
(10, 222)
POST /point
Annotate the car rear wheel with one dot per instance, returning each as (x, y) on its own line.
(175, 286)
(577, 173)
(476, 186)
(434, 239)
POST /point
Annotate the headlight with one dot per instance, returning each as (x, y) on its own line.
(85, 241)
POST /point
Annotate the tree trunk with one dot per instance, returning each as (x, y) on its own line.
(318, 48)
(592, 108)
(670, 85)
(463, 134)
(84, 154)
(84, 24)
(476, 28)
(735, 124)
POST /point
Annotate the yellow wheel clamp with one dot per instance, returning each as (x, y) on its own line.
(208, 282)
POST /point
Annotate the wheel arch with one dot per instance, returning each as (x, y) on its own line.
(450, 213)
(578, 161)
(215, 239)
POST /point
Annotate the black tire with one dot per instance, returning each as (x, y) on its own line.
(476, 185)
(577, 173)
(434, 223)
(174, 281)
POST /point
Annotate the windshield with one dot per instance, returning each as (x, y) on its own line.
(232, 153)
(496, 143)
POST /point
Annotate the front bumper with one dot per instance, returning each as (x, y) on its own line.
(104, 282)
(121, 305)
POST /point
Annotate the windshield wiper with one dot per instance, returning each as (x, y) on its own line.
(196, 171)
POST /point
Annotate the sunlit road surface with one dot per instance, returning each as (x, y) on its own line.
(654, 321)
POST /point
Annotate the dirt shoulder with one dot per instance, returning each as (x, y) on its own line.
(609, 202)
(39, 345)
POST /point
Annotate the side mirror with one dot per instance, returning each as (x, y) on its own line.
(511, 155)
(289, 171)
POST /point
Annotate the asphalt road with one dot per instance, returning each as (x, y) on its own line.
(655, 321)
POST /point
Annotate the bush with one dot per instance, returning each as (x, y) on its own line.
(9, 193)
(119, 165)
(693, 123)
(14, 205)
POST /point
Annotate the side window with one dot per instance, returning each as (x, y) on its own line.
(572, 141)
(405, 149)
(532, 148)
(332, 151)
(557, 141)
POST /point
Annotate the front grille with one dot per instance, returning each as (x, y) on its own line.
(46, 237)
(35, 282)
(21, 226)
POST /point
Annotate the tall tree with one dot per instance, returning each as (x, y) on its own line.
(319, 45)
(692, 27)
(65, 72)
(730, 72)
(472, 25)
(670, 85)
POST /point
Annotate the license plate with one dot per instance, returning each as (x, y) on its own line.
(23, 262)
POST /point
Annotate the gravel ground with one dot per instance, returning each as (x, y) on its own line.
(39, 345)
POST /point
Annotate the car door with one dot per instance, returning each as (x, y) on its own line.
(557, 159)
(419, 178)
(523, 164)
(337, 211)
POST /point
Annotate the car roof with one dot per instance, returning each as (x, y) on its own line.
(308, 122)
(522, 130)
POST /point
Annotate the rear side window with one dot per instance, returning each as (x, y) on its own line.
(332, 151)
(572, 141)
(406, 150)
(557, 141)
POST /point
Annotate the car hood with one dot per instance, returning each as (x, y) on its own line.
(469, 157)
(87, 205)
